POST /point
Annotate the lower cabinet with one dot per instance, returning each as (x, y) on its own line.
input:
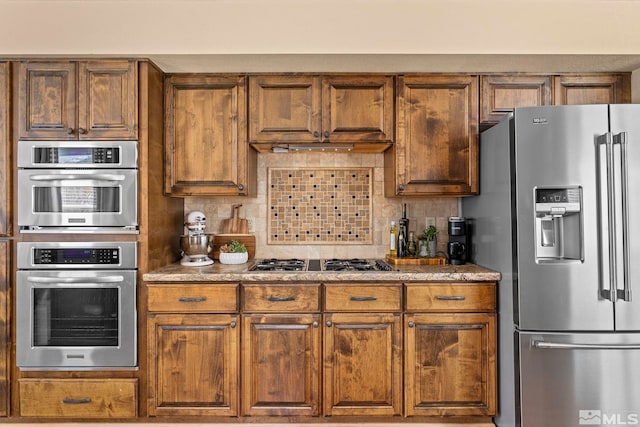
(78, 398)
(375, 350)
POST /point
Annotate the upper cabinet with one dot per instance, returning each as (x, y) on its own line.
(436, 150)
(206, 150)
(5, 150)
(592, 89)
(500, 94)
(321, 109)
(68, 100)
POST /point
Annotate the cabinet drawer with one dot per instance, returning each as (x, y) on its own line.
(451, 297)
(61, 398)
(274, 298)
(193, 298)
(344, 297)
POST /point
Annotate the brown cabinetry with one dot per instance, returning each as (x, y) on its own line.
(5, 149)
(315, 109)
(5, 344)
(206, 150)
(193, 357)
(592, 89)
(450, 344)
(75, 398)
(362, 350)
(281, 350)
(436, 149)
(500, 94)
(68, 100)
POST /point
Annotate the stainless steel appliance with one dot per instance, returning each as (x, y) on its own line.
(196, 244)
(560, 192)
(457, 247)
(329, 265)
(77, 186)
(76, 305)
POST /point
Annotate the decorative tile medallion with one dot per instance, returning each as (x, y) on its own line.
(320, 205)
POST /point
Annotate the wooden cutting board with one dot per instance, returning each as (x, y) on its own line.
(416, 260)
(235, 224)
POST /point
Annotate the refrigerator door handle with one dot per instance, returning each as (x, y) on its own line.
(621, 140)
(573, 346)
(606, 229)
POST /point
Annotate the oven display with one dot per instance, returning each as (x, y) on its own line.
(76, 155)
(77, 256)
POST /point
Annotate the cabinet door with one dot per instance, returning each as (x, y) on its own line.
(5, 150)
(5, 343)
(206, 152)
(47, 100)
(284, 109)
(107, 100)
(592, 89)
(193, 364)
(362, 364)
(281, 364)
(357, 108)
(436, 152)
(450, 364)
(500, 94)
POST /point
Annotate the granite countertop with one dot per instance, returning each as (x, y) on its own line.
(240, 273)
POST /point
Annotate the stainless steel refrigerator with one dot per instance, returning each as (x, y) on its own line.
(559, 216)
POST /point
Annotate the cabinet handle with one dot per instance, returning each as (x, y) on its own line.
(316, 134)
(326, 134)
(364, 298)
(69, 401)
(314, 324)
(281, 299)
(450, 297)
(401, 187)
(69, 131)
(240, 187)
(81, 131)
(232, 324)
(411, 324)
(192, 299)
(329, 324)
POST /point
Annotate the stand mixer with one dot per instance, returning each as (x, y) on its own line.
(195, 244)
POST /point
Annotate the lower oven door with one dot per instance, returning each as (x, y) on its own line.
(78, 198)
(75, 319)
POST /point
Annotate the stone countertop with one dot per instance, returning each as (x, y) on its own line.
(402, 273)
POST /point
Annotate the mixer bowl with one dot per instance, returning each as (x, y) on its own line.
(196, 247)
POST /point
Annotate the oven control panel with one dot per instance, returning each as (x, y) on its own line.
(64, 256)
(76, 155)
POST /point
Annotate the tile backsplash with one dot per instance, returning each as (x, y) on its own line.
(319, 205)
(381, 211)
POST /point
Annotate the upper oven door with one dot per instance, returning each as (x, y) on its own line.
(77, 198)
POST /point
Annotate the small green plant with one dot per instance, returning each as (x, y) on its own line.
(429, 233)
(233, 246)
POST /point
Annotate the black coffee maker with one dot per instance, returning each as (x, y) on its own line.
(458, 246)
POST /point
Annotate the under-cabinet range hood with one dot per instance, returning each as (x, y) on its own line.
(325, 147)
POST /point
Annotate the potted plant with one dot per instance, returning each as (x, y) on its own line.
(429, 234)
(233, 252)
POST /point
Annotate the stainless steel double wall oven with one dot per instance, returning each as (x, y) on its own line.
(76, 300)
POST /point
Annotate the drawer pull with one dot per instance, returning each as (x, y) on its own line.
(281, 299)
(364, 298)
(450, 297)
(192, 299)
(70, 401)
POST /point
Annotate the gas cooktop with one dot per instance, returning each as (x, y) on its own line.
(354, 264)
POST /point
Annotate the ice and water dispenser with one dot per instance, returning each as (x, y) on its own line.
(558, 225)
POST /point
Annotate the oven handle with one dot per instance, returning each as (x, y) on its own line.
(93, 177)
(66, 280)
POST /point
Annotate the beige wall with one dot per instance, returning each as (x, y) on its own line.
(319, 26)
